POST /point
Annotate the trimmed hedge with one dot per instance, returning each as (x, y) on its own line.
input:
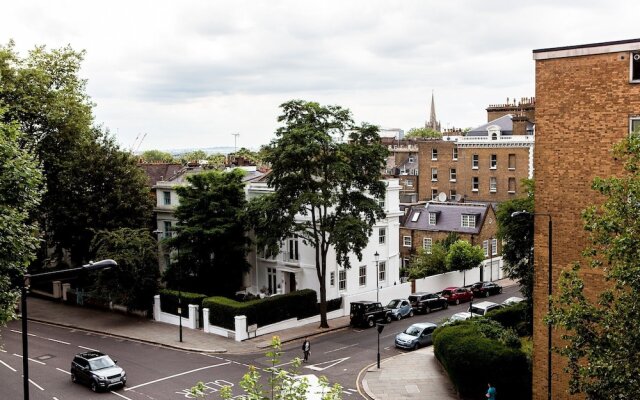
(513, 316)
(169, 301)
(299, 304)
(472, 361)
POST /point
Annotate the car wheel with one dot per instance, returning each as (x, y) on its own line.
(486, 294)
(416, 346)
(411, 313)
(73, 378)
(399, 316)
(457, 301)
(427, 310)
(388, 318)
(499, 290)
(370, 323)
(446, 305)
(94, 386)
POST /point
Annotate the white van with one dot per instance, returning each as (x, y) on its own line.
(482, 308)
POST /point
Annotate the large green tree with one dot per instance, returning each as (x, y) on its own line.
(135, 281)
(463, 256)
(516, 233)
(423, 133)
(426, 264)
(211, 244)
(601, 331)
(326, 181)
(151, 156)
(20, 192)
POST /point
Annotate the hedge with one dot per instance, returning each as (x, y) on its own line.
(513, 316)
(169, 301)
(298, 304)
(472, 361)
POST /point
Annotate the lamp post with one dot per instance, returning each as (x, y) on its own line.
(377, 257)
(549, 288)
(28, 279)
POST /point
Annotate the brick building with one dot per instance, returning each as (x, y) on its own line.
(587, 99)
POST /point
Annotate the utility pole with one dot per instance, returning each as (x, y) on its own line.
(235, 142)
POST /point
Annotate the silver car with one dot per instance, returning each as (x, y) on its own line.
(400, 308)
(416, 335)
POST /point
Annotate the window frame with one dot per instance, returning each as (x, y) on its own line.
(485, 248)
(342, 280)
(453, 175)
(166, 196)
(434, 174)
(382, 271)
(434, 154)
(515, 185)
(454, 155)
(332, 278)
(494, 247)
(475, 184)
(634, 63)
(362, 275)
(475, 161)
(493, 161)
(427, 245)
(434, 194)
(493, 184)
(633, 119)
(406, 241)
(512, 166)
(382, 235)
(452, 194)
(433, 217)
(468, 221)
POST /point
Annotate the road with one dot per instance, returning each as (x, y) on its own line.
(156, 372)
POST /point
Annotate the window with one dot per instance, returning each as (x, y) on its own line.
(167, 198)
(434, 194)
(406, 241)
(485, 248)
(468, 220)
(405, 263)
(455, 153)
(332, 279)
(512, 162)
(452, 194)
(426, 244)
(432, 218)
(475, 161)
(634, 125)
(293, 249)
(342, 279)
(415, 217)
(494, 247)
(493, 184)
(452, 174)
(475, 184)
(512, 185)
(494, 161)
(167, 229)
(382, 271)
(382, 235)
(410, 159)
(434, 154)
(434, 174)
(409, 182)
(362, 277)
(381, 203)
(635, 66)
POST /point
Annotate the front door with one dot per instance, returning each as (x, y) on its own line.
(292, 282)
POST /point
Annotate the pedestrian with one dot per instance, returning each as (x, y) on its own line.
(491, 392)
(306, 349)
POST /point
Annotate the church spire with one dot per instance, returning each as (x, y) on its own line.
(433, 123)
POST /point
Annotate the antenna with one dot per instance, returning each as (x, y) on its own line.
(235, 142)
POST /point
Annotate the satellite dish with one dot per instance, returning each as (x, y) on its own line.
(442, 197)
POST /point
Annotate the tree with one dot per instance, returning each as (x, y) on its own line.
(135, 281)
(516, 234)
(423, 133)
(193, 156)
(426, 264)
(601, 331)
(326, 190)
(20, 192)
(151, 156)
(211, 243)
(463, 256)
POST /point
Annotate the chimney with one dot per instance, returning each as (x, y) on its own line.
(519, 124)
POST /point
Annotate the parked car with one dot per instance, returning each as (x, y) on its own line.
(400, 308)
(484, 289)
(97, 370)
(512, 300)
(457, 295)
(482, 308)
(423, 302)
(461, 316)
(415, 336)
(367, 313)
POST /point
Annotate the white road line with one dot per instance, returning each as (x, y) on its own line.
(57, 341)
(66, 372)
(4, 351)
(7, 365)
(340, 348)
(30, 359)
(36, 385)
(55, 398)
(119, 395)
(280, 365)
(88, 348)
(20, 332)
(176, 375)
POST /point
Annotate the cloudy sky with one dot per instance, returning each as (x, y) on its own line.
(192, 73)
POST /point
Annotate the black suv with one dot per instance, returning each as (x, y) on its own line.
(97, 370)
(423, 302)
(368, 313)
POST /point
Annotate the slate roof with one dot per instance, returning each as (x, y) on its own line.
(159, 171)
(449, 217)
(505, 123)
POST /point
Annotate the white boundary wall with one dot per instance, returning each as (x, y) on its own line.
(190, 322)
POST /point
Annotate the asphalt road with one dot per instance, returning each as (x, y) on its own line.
(159, 373)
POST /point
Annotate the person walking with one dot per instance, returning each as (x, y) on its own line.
(491, 392)
(306, 349)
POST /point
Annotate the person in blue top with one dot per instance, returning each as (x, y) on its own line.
(491, 392)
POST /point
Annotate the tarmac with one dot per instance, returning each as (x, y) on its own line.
(410, 375)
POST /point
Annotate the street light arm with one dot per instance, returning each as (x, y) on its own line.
(103, 264)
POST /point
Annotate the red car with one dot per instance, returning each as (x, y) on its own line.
(456, 295)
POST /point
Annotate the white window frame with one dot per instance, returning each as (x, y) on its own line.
(434, 154)
(168, 231)
(382, 271)
(468, 221)
(434, 174)
(406, 241)
(332, 278)
(293, 253)
(494, 247)
(493, 184)
(427, 245)
(633, 120)
(453, 175)
(415, 216)
(512, 156)
(475, 161)
(411, 159)
(432, 218)
(485, 247)
(381, 203)
(342, 280)
(362, 275)
(452, 194)
(475, 184)
(493, 161)
(454, 156)
(166, 195)
(434, 194)
(408, 182)
(382, 235)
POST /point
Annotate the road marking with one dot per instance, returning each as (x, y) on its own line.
(340, 348)
(88, 348)
(30, 359)
(20, 332)
(55, 398)
(4, 351)
(66, 372)
(36, 385)
(119, 395)
(176, 375)
(7, 365)
(57, 341)
(331, 364)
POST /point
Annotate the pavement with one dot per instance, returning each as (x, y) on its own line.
(410, 375)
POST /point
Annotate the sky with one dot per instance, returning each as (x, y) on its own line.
(192, 74)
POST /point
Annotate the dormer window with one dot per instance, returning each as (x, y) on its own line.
(432, 218)
(468, 220)
(415, 217)
(493, 132)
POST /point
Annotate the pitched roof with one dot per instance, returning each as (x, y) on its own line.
(159, 171)
(448, 217)
(505, 123)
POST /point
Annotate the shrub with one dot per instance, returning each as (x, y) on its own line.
(298, 304)
(169, 301)
(332, 305)
(513, 316)
(472, 359)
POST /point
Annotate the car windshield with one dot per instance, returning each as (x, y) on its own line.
(412, 331)
(101, 363)
(393, 304)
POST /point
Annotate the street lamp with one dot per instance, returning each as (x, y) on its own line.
(379, 328)
(28, 279)
(550, 286)
(377, 257)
